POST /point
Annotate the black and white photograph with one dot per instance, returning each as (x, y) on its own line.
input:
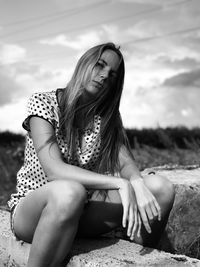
(99, 133)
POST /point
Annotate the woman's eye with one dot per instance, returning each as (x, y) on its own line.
(113, 75)
(100, 64)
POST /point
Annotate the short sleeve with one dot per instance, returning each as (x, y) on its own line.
(40, 105)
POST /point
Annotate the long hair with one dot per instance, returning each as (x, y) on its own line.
(106, 104)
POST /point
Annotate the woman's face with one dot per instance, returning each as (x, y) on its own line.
(104, 73)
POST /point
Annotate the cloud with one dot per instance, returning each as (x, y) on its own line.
(183, 106)
(8, 87)
(83, 41)
(185, 79)
(15, 114)
(144, 2)
(155, 68)
(11, 53)
(145, 109)
(20, 80)
(25, 68)
(185, 63)
(161, 106)
(186, 112)
(112, 32)
(152, 32)
(43, 80)
(105, 33)
(139, 30)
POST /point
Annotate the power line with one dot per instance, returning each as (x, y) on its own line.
(14, 23)
(150, 38)
(83, 26)
(149, 11)
(49, 20)
(134, 40)
(160, 36)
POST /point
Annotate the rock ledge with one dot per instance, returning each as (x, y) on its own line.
(182, 235)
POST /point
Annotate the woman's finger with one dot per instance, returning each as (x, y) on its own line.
(157, 208)
(154, 209)
(135, 225)
(130, 222)
(145, 220)
(150, 215)
(125, 215)
(139, 225)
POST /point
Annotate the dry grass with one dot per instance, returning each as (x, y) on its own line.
(147, 157)
(11, 158)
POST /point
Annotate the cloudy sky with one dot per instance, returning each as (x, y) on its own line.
(41, 41)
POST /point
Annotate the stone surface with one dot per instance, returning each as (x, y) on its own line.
(91, 252)
(13, 253)
(182, 235)
(121, 253)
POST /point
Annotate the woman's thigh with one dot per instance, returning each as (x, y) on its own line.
(28, 212)
(101, 214)
(31, 207)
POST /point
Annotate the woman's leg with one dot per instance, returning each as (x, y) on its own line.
(48, 217)
(164, 192)
(101, 216)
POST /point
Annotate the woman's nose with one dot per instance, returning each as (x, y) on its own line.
(104, 75)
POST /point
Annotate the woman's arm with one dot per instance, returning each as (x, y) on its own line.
(55, 168)
(147, 204)
(128, 168)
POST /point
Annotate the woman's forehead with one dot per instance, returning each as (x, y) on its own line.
(110, 58)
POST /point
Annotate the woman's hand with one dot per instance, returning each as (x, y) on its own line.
(131, 217)
(147, 204)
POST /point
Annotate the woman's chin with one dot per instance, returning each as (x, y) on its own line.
(90, 94)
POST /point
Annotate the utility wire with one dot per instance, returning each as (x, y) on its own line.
(74, 29)
(130, 41)
(149, 11)
(50, 20)
(146, 39)
(66, 11)
(150, 38)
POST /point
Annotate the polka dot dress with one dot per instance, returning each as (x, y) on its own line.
(31, 175)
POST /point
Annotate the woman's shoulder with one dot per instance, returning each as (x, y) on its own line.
(45, 96)
(46, 99)
(42, 104)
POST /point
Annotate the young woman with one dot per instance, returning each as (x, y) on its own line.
(79, 177)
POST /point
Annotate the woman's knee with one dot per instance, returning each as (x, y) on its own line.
(66, 199)
(162, 188)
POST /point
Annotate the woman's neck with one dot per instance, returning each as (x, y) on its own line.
(83, 120)
(84, 117)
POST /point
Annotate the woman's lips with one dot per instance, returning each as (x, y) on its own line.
(98, 84)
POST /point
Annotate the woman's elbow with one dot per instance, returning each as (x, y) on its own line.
(51, 163)
(52, 171)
